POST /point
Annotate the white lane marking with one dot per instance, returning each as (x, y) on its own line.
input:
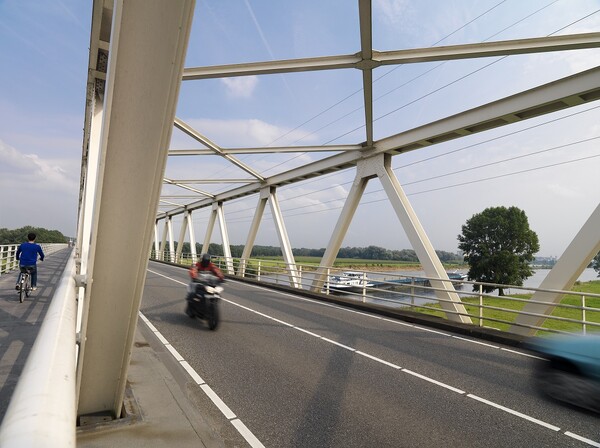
(191, 372)
(375, 358)
(308, 332)
(521, 353)
(582, 439)
(220, 404)
(174, 352)
(512, 411)
(338, 344)
(431, 380)
(476, 342)
(245, 432)
(217, 401)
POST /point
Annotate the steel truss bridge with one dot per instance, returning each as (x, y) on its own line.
(127, 133)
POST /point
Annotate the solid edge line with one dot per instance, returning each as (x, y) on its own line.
(512, 411)
(582, 439)
(228, 413)
(246, 433)
(220, 404)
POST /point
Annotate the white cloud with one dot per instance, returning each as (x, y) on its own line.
(244, 133)
(240, 87)
(33, 171)
(392, 11)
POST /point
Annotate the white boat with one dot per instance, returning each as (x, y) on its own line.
(348, 280)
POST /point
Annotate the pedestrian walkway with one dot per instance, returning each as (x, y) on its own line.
(162, 408)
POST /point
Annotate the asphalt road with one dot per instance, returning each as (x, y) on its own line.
(299, 373)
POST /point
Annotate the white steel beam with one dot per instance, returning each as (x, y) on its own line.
(182, 231)
(266, 150)
(187, 129)
(339, 232)
(212, 219)
(225, 238)
(366, 53)
(148, 42)
(580, 88)
(444, 290)
(562, 276)
(284, 241)
(163, 241)
(192, 236)
(258, 214)
(444, 53)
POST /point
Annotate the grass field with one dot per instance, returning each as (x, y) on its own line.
(357, 263)
(592, 287)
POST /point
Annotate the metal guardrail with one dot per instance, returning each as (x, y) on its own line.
(416, 293)
(8, 254)
(42, 410)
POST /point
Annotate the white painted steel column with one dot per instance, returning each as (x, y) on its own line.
(156, 242)
(84, 230)
(563, 275)
(225, 238)
(171, 239)
(192, 236)
(163, 241)
(416, 235)
(284, 241)
(258, 214)
(209, 229)
(341, 227)
(146, 56)
(182, 231)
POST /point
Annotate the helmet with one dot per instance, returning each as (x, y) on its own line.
(205, 259)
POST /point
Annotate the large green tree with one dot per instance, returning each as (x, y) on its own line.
(596, 263)
(498, 245)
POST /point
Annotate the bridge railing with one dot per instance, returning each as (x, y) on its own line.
(42, 410)
(8, 254)
(578, 312)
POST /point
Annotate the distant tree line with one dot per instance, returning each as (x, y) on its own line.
(363, 253)
(20, 235)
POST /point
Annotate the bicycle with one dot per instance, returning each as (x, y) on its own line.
(25, 283)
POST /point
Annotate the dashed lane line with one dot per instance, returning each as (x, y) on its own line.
(394, 366)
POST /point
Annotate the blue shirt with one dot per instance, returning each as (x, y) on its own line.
(27, 254)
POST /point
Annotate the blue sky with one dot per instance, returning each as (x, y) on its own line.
(542, 166)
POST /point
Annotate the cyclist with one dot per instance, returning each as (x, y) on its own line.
(27, 254)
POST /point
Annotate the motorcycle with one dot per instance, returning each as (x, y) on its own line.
(203, 299)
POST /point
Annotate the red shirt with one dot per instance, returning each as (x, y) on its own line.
(210, 267)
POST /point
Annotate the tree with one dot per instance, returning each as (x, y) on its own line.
(596, 263)
(498, 245)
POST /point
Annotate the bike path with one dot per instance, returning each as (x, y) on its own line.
(20, 322)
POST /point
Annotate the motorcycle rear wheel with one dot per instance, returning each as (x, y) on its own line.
(213, 316)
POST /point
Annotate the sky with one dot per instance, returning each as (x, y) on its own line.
(547, 166)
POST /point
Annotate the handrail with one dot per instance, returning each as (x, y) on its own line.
(42, 410)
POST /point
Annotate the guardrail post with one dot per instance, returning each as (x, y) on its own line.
(481, 305)
(583, 313)
(364, 287)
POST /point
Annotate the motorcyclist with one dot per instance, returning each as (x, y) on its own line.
(205, 265)
(201, 266)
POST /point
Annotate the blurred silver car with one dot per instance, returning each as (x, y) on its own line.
(570, 371)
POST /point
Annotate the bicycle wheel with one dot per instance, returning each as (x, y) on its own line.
(22, 286)
(27, 286)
